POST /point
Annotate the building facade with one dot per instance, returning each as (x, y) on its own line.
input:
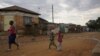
(19, 15)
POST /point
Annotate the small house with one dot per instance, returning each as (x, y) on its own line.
(43, 25)
(21, 17)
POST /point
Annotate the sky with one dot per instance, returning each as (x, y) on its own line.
(65, 11)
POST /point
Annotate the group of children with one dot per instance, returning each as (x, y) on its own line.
(12, 37)
(52, 39)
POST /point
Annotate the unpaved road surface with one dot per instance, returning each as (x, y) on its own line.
(74, 44)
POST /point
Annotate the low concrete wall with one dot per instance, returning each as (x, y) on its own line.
(96, 50)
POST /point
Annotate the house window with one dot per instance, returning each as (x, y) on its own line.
(27, 20)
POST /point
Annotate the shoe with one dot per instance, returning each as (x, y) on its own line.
(8, 50)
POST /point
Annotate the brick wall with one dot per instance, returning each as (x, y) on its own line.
(19, 22)
(35, 19)
(1, 22)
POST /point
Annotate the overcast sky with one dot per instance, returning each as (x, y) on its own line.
(65, 11)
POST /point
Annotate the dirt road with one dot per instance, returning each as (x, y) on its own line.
(74, 44)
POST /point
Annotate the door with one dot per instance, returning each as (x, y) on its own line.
(6, 22)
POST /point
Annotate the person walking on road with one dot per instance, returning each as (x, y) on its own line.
(12, 35)
(52, 40)
(60, 37)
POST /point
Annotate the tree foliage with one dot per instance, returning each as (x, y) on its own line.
(94, 24)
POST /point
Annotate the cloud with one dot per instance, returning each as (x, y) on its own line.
(83, 4)
(65, 11)
(3, 4)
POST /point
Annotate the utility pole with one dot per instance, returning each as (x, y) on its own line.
(52, 14)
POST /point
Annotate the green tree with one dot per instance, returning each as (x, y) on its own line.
(98, 23)
(92, 24)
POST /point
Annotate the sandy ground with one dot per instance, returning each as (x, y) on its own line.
(74, 44)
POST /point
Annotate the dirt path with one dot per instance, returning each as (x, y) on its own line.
(74, 44)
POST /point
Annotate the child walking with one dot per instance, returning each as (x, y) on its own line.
(52, 42)
(12, 35)
(60, 36)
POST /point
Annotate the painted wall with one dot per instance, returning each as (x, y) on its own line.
(7, 18)
(35, 17)
(17, 17)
